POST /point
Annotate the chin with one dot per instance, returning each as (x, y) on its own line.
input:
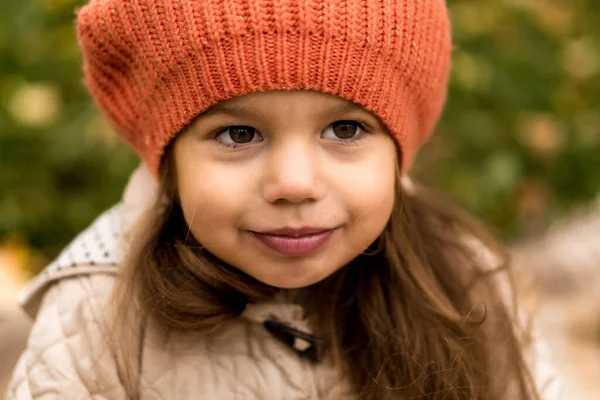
(293, 284)
(295, 281)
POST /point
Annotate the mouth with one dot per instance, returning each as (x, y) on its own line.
(295, 242)
(291, 232)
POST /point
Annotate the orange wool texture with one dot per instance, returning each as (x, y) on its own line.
(152, 66)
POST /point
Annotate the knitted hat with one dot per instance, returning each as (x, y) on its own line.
(152, 66)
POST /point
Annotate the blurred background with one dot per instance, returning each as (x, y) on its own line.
(519, 146)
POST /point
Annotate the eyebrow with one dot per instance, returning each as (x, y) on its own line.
(235, 111)
(240, 111)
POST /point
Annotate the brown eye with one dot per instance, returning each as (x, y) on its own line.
(237, 135)
(242, 134)
(345, 129)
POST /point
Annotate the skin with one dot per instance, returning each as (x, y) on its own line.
(301, 160)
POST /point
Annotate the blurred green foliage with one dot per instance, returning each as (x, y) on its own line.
(519, 142)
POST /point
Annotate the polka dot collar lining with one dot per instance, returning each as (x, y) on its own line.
(97, 249)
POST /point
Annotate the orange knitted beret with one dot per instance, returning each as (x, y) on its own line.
(152, 66)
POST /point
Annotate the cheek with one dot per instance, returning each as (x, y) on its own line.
(369, 186)
(367, 191)
(209, 197)
(376, 204)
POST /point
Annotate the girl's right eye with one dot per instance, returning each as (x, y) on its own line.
(237, 135)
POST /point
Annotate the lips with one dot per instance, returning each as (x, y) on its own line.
(295, 232)
(295, 242)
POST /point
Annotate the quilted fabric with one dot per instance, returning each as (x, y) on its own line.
(66, 356)
(97, 249)
(69, 356)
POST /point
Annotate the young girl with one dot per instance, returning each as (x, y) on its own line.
(271, 245)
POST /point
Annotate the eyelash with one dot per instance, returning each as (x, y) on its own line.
(227, 146)
(356, 139)
(349, 142)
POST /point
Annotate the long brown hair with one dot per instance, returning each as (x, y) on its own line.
(421, 314)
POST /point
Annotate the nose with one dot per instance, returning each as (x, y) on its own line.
(293, 174)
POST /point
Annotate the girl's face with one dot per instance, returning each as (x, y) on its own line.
(286, 186)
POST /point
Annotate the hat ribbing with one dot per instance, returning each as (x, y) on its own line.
(152, 66)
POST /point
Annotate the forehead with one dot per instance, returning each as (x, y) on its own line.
(285, 102)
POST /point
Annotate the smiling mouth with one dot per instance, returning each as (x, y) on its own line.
(295, 242)
(295, 232)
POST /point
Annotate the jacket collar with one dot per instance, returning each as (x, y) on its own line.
(139, 194)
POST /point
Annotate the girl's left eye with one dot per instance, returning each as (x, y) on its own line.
(345, 131)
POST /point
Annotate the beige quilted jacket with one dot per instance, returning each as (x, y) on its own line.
(68, 357)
